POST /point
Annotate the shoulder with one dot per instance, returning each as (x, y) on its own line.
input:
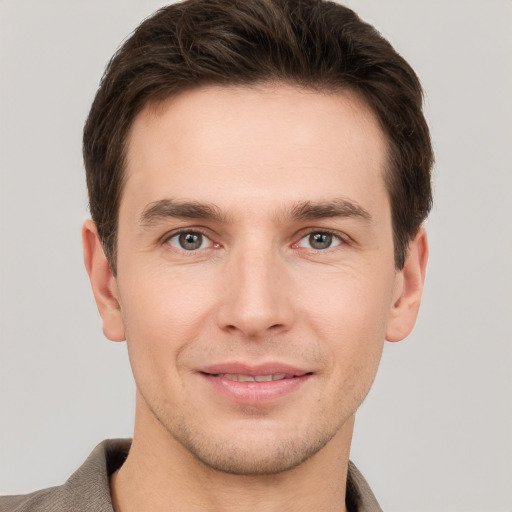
(87, 490)
(359, 496)
(48, 500)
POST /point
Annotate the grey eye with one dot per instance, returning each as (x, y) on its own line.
(189, 241)
(319, 240)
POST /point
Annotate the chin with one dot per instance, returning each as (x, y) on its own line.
(260, 452)
(267, 460)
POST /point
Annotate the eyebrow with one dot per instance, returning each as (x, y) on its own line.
(170, 208)
(341, 207)
(304, 210)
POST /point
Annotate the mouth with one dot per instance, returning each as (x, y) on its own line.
(255, 378)
(255, 385)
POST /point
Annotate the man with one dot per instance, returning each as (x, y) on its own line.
(258, 175)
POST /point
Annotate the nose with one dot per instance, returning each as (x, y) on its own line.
(255, 299)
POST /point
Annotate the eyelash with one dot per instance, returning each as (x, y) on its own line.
(342, 238)
(168, 237)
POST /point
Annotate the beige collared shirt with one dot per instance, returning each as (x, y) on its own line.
(88, 489)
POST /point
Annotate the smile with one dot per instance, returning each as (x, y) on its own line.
(254, 378)
(254, 385)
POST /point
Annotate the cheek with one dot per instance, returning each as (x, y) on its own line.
(350, 318)
(355, 349)
(164, 298)
(349, 302)
(162, 315)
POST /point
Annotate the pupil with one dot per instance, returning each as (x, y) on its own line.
(320, 240)
(191, 241)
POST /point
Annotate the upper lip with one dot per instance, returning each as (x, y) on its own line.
(271, 368)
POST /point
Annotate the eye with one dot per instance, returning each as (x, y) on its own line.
(319, 240)
(189, 241)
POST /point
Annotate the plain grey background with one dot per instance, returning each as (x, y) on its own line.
(435, 433)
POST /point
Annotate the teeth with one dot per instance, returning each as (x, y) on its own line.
(230, 376)
(250, 378)
(245, 378)
(263, 378)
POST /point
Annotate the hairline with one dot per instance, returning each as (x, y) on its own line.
(156, 101)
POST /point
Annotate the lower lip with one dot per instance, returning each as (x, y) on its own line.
(255, 393)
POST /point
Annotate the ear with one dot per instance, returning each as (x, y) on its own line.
(408, 289)
(103, 283)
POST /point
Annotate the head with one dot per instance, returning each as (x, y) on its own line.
(258, 174)
(316, 45)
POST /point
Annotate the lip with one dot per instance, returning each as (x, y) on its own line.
(253, 370)
(254, 393)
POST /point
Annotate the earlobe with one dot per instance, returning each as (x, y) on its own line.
(103, 283)
(410, 282)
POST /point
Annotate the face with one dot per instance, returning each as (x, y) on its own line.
(256, 281)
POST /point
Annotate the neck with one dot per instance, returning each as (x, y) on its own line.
(160, 474)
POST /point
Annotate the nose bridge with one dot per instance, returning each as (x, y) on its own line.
(255, 298)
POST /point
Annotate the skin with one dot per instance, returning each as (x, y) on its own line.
(277, 165)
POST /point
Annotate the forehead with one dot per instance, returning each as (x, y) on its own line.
(235, 143)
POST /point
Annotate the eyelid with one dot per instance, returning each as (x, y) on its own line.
(343, 237)
(176, 232)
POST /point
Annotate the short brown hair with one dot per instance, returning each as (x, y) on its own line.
(313, 44)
